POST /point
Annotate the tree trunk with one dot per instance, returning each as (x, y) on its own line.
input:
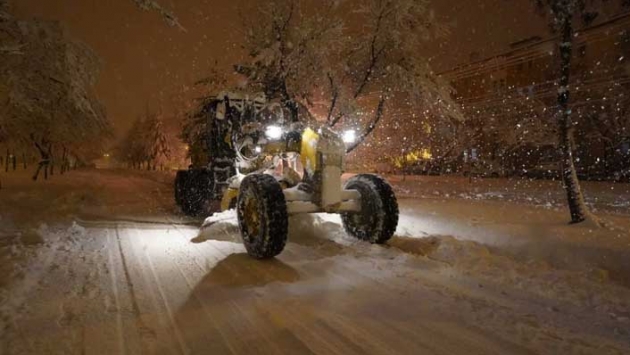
(36, 175)
(24, 160)
(52, 161)
(6, 161)
(577, 207)
(45, 159)
(62, 168)
(14, 162)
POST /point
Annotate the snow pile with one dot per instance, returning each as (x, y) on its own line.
(587, 285)
(222, 226)
(228, 217)
(550, 261)
(317, 228)
(303, 228)
(606, 196)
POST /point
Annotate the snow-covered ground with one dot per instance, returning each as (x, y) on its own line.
(101, 262)
(600, 196)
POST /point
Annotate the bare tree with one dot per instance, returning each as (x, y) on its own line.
(563, 15)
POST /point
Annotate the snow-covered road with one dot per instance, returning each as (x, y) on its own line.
(136, 289)
(454, 281)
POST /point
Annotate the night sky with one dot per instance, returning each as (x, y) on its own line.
(147, 64)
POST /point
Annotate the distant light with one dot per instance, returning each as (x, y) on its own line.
(258, 149)
(274, 132)
(106, 155)
(349, 136)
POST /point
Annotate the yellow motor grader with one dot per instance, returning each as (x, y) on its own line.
(268, 166)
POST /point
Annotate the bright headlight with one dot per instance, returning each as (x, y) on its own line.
(273, 132)
(349, 136)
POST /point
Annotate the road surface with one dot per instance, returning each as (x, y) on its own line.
(113, 285)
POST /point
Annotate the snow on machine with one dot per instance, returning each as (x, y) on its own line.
(268, 167)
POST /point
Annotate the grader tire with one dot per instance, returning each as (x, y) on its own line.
(196, 189)
(262, 216)
(378, 218)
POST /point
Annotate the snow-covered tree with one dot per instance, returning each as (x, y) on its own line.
(146, 144)
(290, 50)
(46, 92)
(322, 62)
(563, 16)
(192, 113)
(156, 141)
(128, 149)
(604, 117)
(168, 16)
(502, 130)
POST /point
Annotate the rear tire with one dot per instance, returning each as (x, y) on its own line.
(378, 218)
(196, 189)
(262, 216)
(181, 179)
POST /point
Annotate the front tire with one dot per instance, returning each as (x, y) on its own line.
(378, 218)
(262, 216)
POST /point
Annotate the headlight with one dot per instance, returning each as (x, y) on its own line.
(349, 136)
(258, 149)
(273, 132)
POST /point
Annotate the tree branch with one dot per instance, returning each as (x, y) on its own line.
(371, 126)
(374, 55)
(168, 16)
(333, 102)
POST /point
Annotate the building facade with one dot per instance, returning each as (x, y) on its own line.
(509, 99)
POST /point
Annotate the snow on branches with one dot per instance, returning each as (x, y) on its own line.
(146, 143)
(46, 91)
(317, 57)
(168, 16)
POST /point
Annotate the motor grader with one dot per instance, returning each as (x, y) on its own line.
(267, 165)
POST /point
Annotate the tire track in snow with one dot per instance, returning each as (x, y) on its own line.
(291, 317)
(114, 278)
(147, 334)
(178, 333)
(231, 346)
(335, 343)
(254, 325)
